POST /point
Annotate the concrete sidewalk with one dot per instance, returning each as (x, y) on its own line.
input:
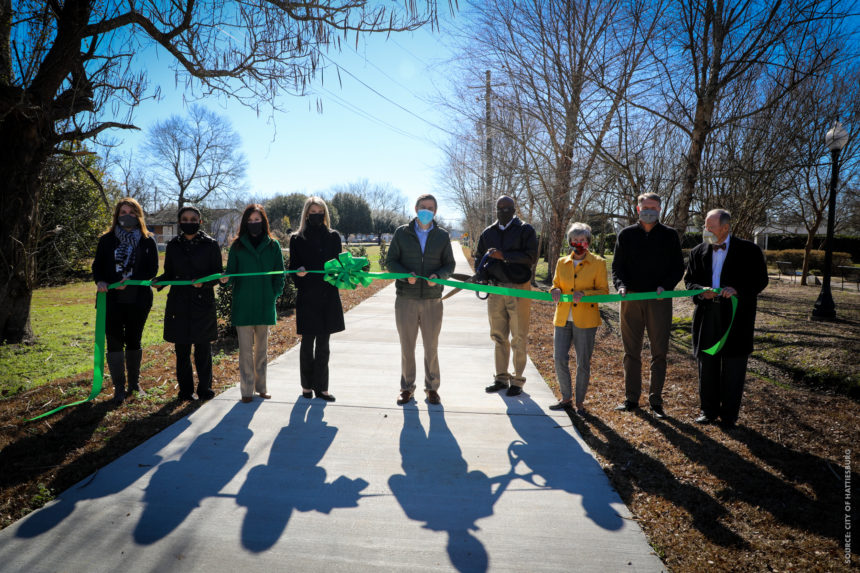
(480, 483)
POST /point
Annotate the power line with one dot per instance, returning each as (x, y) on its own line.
(399, 45)
(384, 73)
(370, 117)
(386, 98)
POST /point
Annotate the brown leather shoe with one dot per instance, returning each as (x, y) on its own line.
(405, 397)
(246, 399)
(264, 395)
(433, 397)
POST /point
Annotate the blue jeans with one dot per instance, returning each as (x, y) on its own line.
(583, 345)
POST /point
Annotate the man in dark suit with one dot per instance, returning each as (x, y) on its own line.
(738, 268)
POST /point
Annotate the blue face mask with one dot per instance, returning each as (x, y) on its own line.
(425, 216)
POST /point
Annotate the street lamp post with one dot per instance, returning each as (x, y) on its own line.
(825, 308)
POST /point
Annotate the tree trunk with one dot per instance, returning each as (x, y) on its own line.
(701, 128)
(22, 156)
(559, 212)
(807, 248)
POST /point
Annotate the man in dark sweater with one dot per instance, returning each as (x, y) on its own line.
(647, 259)
(511, 250)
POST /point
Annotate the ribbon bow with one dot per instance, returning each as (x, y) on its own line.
(347, 272)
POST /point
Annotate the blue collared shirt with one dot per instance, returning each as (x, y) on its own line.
(422, 234)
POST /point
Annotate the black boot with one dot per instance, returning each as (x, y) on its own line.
(116, 366)
(132, 364)
(203, 362)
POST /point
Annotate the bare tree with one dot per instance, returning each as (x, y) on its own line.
(835, 95)
(745, 165)
(460, 179)
(197, 158)
(380, 197)
(565, 67)
(132, 175)
(388, 205)
(471, 178)
(62, 64)
(709, 45)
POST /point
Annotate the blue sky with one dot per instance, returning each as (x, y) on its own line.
(359, 135)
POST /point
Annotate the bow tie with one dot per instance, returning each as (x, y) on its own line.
(719, 247)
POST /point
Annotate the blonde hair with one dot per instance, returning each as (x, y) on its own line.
(138, 212)
(313, 200)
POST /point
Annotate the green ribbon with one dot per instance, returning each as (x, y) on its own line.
(347, 272)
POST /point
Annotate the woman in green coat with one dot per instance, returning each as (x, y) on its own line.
(254, 250)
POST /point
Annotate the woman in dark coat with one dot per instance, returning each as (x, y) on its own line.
(126, 251)
(319, 312)
(189, 317)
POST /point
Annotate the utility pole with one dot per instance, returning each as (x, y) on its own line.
(488, 164)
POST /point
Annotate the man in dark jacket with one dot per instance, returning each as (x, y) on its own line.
(420, 248)
(647, 258)
(507, 252)
(739, 269)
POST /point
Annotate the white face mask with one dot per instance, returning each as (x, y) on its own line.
(708, 237)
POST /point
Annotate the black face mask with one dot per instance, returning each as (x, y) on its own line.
(128, 222)
(316, 219)
(255, 228)
(504, 215)
(189, 228)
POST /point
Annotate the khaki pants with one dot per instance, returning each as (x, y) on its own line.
(509, 330)
(412, 315)
(636, 317)
(253, 343)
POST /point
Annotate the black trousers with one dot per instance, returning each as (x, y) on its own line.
(313, 361)
(124, 326)
(203, 363)
(721, 385)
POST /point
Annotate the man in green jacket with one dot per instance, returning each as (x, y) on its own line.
(420, 248)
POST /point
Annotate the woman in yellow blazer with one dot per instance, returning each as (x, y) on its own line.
(581, 273)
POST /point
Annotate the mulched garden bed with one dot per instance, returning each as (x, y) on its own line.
(766, 496)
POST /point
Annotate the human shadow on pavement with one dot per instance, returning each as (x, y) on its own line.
(100, 484)
(293, 480)
(437, 488)
(556, 459)
(178, 487)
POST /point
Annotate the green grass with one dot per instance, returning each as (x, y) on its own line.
(63, 320)
(372, 254)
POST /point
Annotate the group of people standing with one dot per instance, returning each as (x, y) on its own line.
(128, 251)
(647, 259)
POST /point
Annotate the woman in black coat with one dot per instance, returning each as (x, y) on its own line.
(189, 317)
(126, 251)
(319, 312)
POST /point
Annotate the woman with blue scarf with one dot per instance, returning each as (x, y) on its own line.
(126, 251)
